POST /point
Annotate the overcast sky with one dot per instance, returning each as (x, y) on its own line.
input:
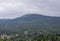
(15, 8)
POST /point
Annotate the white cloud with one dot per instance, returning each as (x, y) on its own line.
(16, 8)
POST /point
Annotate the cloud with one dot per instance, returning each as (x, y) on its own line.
(16, 8)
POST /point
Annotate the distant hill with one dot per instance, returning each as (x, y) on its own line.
(34, 22)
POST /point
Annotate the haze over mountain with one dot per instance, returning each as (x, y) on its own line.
(34, 22)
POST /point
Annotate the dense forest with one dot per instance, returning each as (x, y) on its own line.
(35, 36)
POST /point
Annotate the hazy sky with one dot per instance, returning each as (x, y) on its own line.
(16, 8)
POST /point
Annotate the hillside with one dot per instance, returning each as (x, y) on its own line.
(34, 22)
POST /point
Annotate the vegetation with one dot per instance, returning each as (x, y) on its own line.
(35, 36)
(31, 27)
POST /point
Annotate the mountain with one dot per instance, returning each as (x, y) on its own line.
(3, 21)
(34, 22)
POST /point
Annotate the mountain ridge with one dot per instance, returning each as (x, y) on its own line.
(34, 22)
